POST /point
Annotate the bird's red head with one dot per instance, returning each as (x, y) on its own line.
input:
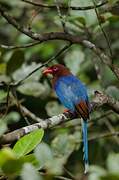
(57, 70)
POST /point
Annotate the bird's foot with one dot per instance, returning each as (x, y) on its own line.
(66, 110)
(73, 114)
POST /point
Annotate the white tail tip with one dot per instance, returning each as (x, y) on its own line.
(86, 168)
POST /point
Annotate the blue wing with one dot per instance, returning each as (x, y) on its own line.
(70, 91)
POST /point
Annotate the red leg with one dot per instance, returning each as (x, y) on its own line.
(66, 110)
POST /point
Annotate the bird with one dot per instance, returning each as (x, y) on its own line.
(72, 93)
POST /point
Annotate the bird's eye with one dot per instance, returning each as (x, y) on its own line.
(55, 69)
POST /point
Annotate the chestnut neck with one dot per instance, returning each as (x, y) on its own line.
(59, 75)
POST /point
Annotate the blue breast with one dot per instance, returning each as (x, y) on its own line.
(70, 91)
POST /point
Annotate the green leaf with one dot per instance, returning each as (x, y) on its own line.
(113, 163)
(47, 50)
(96, 172)
(55, 166)
(46, 160)
(2, 68)
(81, 20)
(27, 143)
(64, 144)
(25, 70)
(5, 155)
(30, 173)
(8, 119)
(112, 2)
(54, 108)
(14, 166)
(3, 94)
(113, 91)
(89, 16)
(29, 158)
(73, 59)
(110, 177)
(107, 76)
(114, 19)
(43, 154)
(32, 89)
(3, 127)
(76, 20)
(12, 117)
(15, 61)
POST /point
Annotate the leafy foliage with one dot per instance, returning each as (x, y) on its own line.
(57, 153)
(27, 143)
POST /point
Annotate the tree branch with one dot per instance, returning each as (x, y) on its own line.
(103, 31)
(29, 114)
(62, 19)
(64, 7)
(48, 123)
(99, 100)
(74, 39)
(105, 135)
(64, 49)
(19, 46)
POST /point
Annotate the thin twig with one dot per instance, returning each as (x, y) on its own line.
(46, 63)
(48, 123)
(102, 56)
(111, 129)
(36, 11)
(105, 114)
(62, 178)
(19, 46)
(70, 174)
(7, 103)
(64, 7)
(14, 94)
(29, 114)
(101, 27)
(60, 16)
(105, 135)
(99, 100)
(44, 124)
(91, 121)
(62, 36)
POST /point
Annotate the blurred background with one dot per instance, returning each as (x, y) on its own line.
(36, 93)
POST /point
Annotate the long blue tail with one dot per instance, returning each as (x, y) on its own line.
(85, 142)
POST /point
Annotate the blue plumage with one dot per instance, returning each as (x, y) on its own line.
(71, 92)
(84, 129)
(73, 95)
